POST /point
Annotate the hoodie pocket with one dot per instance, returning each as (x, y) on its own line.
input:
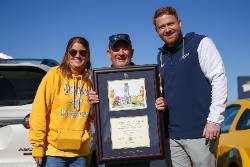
(69, 140)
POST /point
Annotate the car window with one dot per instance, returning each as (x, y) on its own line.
(18, 86)
(229, 115)
(244, 121)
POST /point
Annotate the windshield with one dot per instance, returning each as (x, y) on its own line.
(18, 85)
(229, 115)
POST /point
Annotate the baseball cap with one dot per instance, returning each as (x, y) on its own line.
(113, 39)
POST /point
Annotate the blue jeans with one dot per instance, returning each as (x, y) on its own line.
(51, 161)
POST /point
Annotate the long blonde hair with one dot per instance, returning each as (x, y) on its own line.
(65, 65)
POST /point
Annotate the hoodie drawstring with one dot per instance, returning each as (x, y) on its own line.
(77, 93)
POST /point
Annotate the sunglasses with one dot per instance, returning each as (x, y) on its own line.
(74, 52)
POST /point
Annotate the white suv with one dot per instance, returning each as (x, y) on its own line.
(19, 80)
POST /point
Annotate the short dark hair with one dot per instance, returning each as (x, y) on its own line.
(168, 10)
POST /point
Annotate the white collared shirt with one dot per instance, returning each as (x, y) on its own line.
(213, 68)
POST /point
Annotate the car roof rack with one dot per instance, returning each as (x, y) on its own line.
(48, 62)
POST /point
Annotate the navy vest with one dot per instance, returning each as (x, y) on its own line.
(186, 89)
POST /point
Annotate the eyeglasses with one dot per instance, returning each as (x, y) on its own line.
(82, 53)
(118, 48)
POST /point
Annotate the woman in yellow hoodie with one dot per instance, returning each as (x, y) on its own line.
(61, 112)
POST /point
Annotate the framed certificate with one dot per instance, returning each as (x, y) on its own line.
(127, 124)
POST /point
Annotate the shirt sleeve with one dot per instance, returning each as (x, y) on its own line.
(213, 68)
(38, 117)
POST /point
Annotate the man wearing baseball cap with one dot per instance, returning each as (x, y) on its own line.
(120, 52)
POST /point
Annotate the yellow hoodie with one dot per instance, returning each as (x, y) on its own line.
(60, 117)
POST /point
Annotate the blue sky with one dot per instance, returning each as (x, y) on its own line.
(41, 29)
